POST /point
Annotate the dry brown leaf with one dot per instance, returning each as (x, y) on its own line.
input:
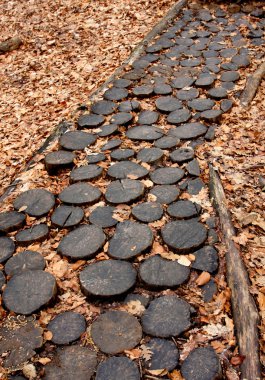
(157, 248)
(146, 352)
(47, 335)
(135, 307)
(157, 372)
(133, 354)
(203, 278)
(169, 256)
(44, 360)
(175, 375)
(60, 268)
(183, 260)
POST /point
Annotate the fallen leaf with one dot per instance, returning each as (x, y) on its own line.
(203, 278)
(44, 360)
(134, 353)
(175, 375)
(169, 256)
(237, 360)
(47, 335)
(157, 372)
(60, 268)
(135, 307)
(183, 260)
(146, 352)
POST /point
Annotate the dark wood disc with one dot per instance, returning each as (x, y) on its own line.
(79, 194)
(76, 140)
(82, 243)
(166, 176)
(28, 291)
(124, 191)
(124, 169)
(67, 327)
(26, 260)
(164, 355)
(11, 221)
(36, 202)
(67, 216)
(39, 232)
(7, 248)
(116, 331)
(116, 368)
(130, 240)
(206, 363)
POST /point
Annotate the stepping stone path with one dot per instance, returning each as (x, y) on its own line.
(120, 217)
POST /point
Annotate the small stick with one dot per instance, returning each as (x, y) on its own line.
(245, 313)
(252, 85)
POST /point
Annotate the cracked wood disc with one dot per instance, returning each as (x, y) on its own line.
(11, 221)
(76, 140)
(58, 160)
(116, 331)
(130, 240)
(184, 235)
(67, 327)
(118, 368)
(166, 316)
(124, 191)
(158, 272)
(182, 155)
(102, 216)
(33, 234)
(23, 261)
(103, 107)
(67, 216)
(124, 169)
(73, 362)
(107, 278)
(27, 292)
(79, 194)
(36, 202)
(184, 209)
(7, 248)
(82, 243)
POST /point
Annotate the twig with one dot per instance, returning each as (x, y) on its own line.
(244, 309)
(252, 85)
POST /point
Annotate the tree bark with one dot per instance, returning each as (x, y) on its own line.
(252, 85)
(245, 314)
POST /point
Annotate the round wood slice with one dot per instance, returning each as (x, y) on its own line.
(11, 221)
(33, 234)
(122, 83)
(201, 364)
(118, 368)
(143, 90)
(184, 209)
(148, 211)
(182, 155)
(168, 104)
(107, 278)
(164, 355)
(27, 292)
(115, 93)
(187, 94)
(58, 160)
(217, 93)
(124, 191)
(67, 327)
(206, 259)
(188, 131)
(116, 331)
(112, 144)
(107, 130)
(102, 217)
(7, 248)
(158, 272)
(122, 154)
(129, 105)
(82, 243)
(85, 173)
(19, 341)
(166, 316)
(195, 186)
(165, 194)
(163, 88)
(67, 216)
(76, 140)
(190, 62)
(166, 176)
(211, 115)
(184, 236)
(230, 76)
(124, 169)
(90, 121)
(73, 362)
(144, 132)
(103, 107)
(201, 104)
(148, 117)
(130, 240)
(179, 116)
(226, 105)
(95, 158)
(134, 74)
(36, 202)
(121, 118)
(183, 81)
(26, 260)
(193, 168)
(150, 155)
(205, 80)
(79, 194)
(167, 142)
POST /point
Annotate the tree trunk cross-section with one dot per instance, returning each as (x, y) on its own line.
(244, 309)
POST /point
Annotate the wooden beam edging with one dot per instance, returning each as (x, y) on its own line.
(245, 314)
